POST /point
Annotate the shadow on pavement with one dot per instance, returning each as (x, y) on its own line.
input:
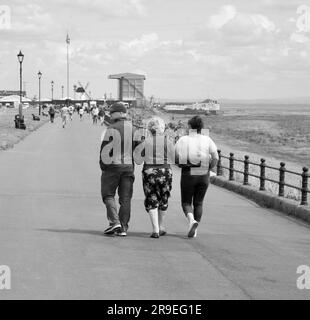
(78, 231)
(101, 234)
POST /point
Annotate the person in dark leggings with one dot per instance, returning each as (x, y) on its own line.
(196, 155)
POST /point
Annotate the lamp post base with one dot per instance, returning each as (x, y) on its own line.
(19, 122)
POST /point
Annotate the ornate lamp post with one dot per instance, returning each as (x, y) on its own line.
(39, 76)
(20, 57)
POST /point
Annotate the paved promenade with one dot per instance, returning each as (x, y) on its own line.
(52, 221)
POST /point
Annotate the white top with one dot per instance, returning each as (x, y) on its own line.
(64, 111)
(196, 149)
(95, 111)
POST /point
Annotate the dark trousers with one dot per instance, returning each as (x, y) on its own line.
(193, 191)
(52, 116)
(112, 180)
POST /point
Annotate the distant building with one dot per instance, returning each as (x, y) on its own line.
(13, 101)
(130, 87)
(7, 93)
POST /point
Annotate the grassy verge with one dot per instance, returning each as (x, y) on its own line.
(9, 136)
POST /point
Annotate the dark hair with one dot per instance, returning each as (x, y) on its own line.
(196, 123)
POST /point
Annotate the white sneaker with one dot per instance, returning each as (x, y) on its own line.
(195, 234)
(120, 233)
(192, 229)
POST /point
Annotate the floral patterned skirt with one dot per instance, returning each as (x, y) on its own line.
(157, 185)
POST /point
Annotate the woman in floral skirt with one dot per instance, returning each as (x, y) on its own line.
(157, 174)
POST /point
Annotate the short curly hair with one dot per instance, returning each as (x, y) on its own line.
(156, 126)
(196, 123)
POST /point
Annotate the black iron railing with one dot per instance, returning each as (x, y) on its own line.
(262, 177)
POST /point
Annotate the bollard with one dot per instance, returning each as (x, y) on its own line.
(262, 175)
(282, 179)
(304, 186)
(231, 167)
(246, 171)
(219, 169)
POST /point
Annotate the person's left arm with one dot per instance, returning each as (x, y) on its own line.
(213, 153)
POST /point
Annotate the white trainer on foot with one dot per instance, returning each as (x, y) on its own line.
(192, 229)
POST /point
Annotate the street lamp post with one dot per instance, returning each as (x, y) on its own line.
(20, 57)
(39, 76)
(52, 85)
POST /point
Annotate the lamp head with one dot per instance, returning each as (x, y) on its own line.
(20, 57)
(39, 74)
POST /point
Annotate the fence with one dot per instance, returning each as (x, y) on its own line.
(262, 177)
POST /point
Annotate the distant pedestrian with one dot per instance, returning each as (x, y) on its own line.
(81, 112)
(157, 174)
(51, 112)
(101, 116)
(95, 113)
(118, 172)
(197, 155)
(64, 115)
(70, 111)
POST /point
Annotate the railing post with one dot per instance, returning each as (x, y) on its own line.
(282, 179)
(219, 169)
(262, 175)
(231, 167)
(304, 186)
(246, 171)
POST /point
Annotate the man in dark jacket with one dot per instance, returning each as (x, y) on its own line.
(51, 112)
(116, 163)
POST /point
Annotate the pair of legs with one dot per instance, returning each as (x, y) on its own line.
(64, 121)
(193, 191)
(102, 121)
(122, 182)
(157, 185)
(52, 117)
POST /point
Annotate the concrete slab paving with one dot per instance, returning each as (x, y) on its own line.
(52, 221)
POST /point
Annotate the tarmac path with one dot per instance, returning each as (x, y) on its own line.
(52, 221)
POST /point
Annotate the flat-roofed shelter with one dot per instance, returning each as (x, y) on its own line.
(130, 87)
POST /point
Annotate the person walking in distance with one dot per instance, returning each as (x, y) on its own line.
(64, 115)
(70, 111)
(197, 154)
(81, 112)
(101, 116)
(51, 112)
(116, 163)
(95, 114)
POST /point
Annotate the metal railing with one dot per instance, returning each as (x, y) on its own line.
(262, 177)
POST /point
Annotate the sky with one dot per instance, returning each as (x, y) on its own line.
(187, 49)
